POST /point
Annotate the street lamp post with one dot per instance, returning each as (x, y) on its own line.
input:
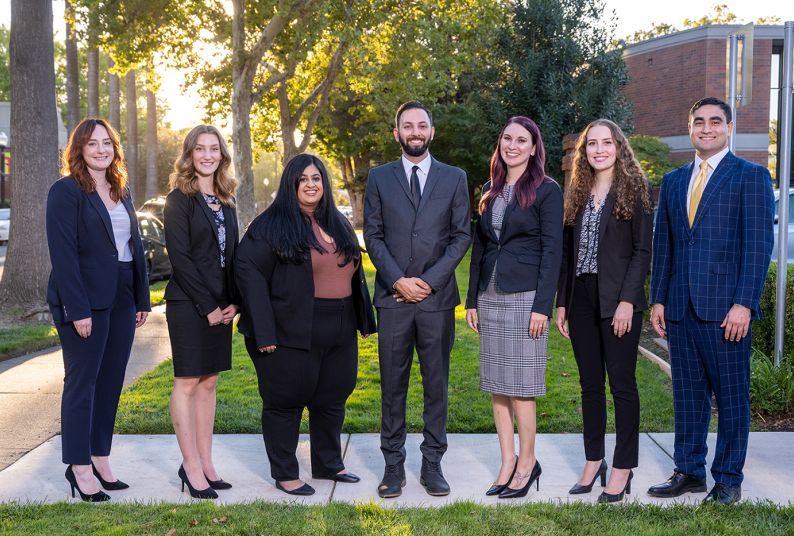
(3, 144)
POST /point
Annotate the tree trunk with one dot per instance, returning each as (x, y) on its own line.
(241, 121)
(114, 98)
(356, 191)
(72, 72)
(132, 135)
(34, 135)
(93, 81)
(151, 144)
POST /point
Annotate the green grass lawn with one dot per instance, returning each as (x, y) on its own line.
(369, 518)
(156, 292)
(24, 338)
(144, 405)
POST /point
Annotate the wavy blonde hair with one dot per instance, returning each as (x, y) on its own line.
(184, 176)
(73, 163)
(628, 182)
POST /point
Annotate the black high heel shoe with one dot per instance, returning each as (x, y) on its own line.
(496, 489)
(610, 498)
(208, 493)
(99, 496)
(218, 484)
(510, 493)
(110, 486)
(578, 488)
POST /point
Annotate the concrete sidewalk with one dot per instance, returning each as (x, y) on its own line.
(31, 387)
(149, 465)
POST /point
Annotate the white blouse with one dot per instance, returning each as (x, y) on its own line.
(122, 231)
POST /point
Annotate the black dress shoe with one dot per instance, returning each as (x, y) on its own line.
(578, 488)
(534, 476)
(678, 484)
(393, 481)
(218, 484)
(99, 496)
(304, 490)
(110, 486)
(433, 479)
(207, 493)
(611, 498)
(723, 494)
(496, 489)
(346, 478)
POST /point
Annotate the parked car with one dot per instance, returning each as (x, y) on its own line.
(5, 224)
(790, 241)
(153, 237)
(347, 212)
(154, 206)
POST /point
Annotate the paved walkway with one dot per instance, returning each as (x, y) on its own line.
(149, 464)
(31, 387)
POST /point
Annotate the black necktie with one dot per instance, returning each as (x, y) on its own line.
(416, 191)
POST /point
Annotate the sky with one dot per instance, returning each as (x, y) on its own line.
(185, 107)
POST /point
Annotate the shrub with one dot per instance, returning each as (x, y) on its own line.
(653, 155)
(771, 389)
(764, 328)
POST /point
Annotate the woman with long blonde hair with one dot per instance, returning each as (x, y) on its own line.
(601, 295)
(201, 235)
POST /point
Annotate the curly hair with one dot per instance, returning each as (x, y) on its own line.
(629, 180)
(184, 176)
(73, 163)
(532, 177)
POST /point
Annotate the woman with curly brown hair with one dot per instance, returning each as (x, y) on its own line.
(601, 295)
(201, 297)
(98, 294)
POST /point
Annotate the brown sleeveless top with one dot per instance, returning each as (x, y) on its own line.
(330, 280)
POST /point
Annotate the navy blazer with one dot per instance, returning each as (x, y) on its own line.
(278, 297)
(624, 258)
(427, 241)
(191, 238)
(83, 253)
(723, 259)
(527, 253)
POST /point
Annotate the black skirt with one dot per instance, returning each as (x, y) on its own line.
(198, 349)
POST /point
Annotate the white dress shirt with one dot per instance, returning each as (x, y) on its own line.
(424, 169)
(714, 161)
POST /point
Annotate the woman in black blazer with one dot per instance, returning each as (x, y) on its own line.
(304, 295)
(515, 262)
(601, 294)
(98, 294)
(201, 297)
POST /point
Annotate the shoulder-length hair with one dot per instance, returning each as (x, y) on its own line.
(73, 163)
(289, 231)
(534, 175)
(184, 177)
(628, 182)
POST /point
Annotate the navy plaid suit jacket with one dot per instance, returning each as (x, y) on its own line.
(724, 258)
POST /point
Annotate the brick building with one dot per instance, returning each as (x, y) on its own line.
(669, 73)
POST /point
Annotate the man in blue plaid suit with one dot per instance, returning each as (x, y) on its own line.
(711, 250)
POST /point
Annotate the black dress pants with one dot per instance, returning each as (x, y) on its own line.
(319, 379)
(94, 374)
(597, 349)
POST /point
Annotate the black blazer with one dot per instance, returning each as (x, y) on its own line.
(191, 238)
(278, 298)
(83, 253)
(526, 254)
(624, 258)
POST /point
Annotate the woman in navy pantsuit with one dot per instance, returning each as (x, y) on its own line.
(201, 297)
(98, 294)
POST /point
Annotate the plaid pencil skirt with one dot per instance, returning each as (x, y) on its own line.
(511, 362)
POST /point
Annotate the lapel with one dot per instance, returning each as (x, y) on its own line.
(402, 180)
(430, 183)
(577, 235)
(99, 206)
(231, 225)
(680, 188)
(606, 215)
(127, 201)
(506, 216)
(487, 222)
(718, 178)
(199, 198)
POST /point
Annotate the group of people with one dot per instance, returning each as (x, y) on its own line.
(297, 281)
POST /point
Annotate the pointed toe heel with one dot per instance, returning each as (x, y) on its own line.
(99, 496)
(208, 493)
(110, 486)
(579, 489)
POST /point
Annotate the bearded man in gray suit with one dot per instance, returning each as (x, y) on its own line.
(416, 229)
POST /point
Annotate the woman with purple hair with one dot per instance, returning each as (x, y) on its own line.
(515, 263)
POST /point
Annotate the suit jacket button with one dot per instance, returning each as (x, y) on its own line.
(410, 259)
(414, 234)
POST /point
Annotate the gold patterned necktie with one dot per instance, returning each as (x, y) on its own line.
(697, 191)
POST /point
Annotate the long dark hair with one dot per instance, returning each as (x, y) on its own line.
(289, 231)
(528, 183)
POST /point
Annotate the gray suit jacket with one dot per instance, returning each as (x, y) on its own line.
(427, 241)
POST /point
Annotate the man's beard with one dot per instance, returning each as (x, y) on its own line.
(410, 150)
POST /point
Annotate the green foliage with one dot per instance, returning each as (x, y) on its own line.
(771, 388)
(558, 68)
(764, 328)
(21, 339)
(5, 75)
(653, 155)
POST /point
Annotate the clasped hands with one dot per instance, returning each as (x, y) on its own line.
(222, 316)
(411, 290)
